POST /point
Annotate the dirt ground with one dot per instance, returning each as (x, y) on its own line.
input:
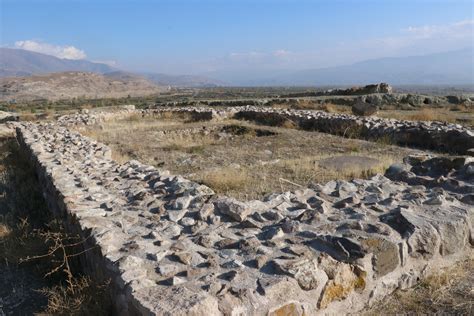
(241, 159)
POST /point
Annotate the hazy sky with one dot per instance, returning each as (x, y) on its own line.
(210, 36)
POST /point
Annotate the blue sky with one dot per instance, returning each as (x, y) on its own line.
(211, 36)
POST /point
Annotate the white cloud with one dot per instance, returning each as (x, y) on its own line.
(64, 52)
(458, 29)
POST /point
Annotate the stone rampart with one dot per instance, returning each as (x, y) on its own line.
(172, 247)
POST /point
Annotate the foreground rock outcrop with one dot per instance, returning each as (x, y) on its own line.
(171, 246)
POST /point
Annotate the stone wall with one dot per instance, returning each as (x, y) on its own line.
(444, 137)
(172, 247)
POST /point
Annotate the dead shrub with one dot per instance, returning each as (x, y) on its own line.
(4, 230)
(88, 298)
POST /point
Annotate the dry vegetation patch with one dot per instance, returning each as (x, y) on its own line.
(238, 158)
(459, 115)
(446, 292)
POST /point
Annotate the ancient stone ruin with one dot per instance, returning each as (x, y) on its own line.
(173, 247)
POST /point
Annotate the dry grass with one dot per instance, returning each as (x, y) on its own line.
(459, 115)
(83, 301)
(188, 143)
(447, 292)
(4, 231)
(240, 159)
(427, 114)
(227, 179)
(308, 104)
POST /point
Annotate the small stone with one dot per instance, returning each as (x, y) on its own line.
(157, 256)
(232, 264)
(347, 201)
(274, 233)
(260, 261)
(233, 208)
(437, 200)
(172, 231)
(250, 223)
(176, 215)
(168, 269)
(176, 280)
(184, 257)
(206, 210)
(182, 202)
(187, 221)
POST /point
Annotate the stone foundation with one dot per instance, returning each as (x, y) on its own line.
(172, 247)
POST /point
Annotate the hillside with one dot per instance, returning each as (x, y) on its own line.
(68, 85)
(19, 62)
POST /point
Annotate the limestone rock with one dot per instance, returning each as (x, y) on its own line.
(234, 209)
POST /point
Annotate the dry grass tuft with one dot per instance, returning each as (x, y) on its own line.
(459, 114)
(188, 143)
(426, 114)
(226, 179)
(334, 108)
(4, 230)
(82, 301)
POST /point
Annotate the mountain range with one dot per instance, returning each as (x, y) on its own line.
(452, 67)
(23, 63)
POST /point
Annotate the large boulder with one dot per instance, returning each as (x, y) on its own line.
(8, 116)
(362, 108)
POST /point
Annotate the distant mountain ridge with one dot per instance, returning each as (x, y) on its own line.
(23, 63)
(452, 67)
